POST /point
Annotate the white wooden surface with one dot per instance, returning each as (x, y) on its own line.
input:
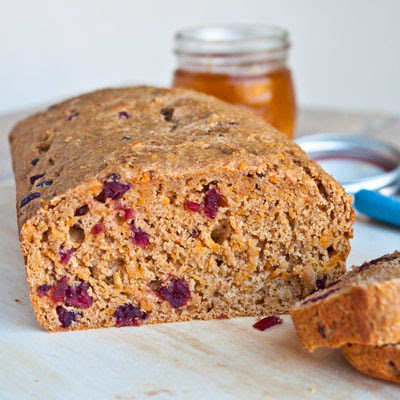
(197, 360)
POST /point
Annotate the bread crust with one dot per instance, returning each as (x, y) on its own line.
(351, 311)
(381, 362)
(63, 139)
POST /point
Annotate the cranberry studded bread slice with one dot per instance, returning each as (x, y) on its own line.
(144, 205)
(362, 307)
(377, 361)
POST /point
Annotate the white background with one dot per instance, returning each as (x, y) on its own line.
(345, 54)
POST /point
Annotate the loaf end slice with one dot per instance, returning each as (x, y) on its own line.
(144, 205)
(360, 307)
(381, 362)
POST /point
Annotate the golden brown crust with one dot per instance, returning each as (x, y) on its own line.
(283, 224)
(377, 361)
(201, 134)
(358, 309)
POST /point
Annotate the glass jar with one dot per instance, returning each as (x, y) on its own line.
(241, 64)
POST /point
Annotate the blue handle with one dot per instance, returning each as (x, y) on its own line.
(378, 206)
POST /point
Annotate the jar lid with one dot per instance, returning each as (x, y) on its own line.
(356, 161)
(228, 39)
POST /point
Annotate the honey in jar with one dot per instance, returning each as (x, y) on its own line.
(243, 65)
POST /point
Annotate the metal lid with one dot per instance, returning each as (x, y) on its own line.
(228, 39)
(356, 161)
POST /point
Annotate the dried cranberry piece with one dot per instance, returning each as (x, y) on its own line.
(222, 316)
(376, 261)
(97, 229)
(34, 178)
(78, 296)
(72, 115)
(320, 297)
(34, 161)
(129, 315)
(177, 293)
(128, 214)
(60, 289)
(113, 190)
(45, 183)
(192, 206)
(28, 198)
(332, 284)
(140, 237)
(124, 114)
(125, 212)
(321, 331)
(393, 365)
(81, 210)
(66, 317)
(43, 290)
(267, 322)
(65, 255)
(211, 203)
(320, 283)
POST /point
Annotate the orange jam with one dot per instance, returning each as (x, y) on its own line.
(241, 64)
(270, 95)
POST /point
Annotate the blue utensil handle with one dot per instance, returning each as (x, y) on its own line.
(378, 206)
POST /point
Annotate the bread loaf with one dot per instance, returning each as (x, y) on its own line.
(144, 205)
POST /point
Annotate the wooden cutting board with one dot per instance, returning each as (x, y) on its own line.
(224, 359)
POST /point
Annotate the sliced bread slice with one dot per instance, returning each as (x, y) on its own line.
(362, 307)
